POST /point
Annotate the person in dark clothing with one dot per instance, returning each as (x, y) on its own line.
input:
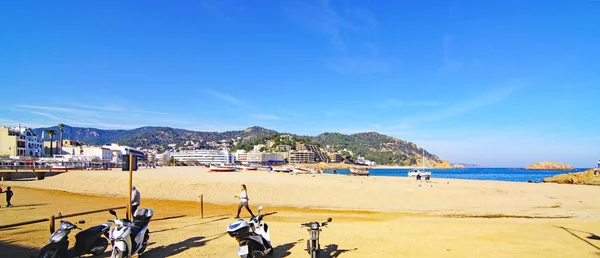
(9, 195)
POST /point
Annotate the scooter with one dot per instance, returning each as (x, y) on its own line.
(129, 238)
(253, 236)
(89, 241)
(313, 247)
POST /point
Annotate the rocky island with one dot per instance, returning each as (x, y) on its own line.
(444, 164)
(548, 165)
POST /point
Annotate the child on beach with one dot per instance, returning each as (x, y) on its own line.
(243, 196)
(9, 195)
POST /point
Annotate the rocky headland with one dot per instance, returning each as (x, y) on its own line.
(587, 177)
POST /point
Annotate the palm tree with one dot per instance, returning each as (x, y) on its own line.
(51, 133)
(60, 127)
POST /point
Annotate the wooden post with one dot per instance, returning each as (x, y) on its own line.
(130, 185)
(51, 224)
(202, 206)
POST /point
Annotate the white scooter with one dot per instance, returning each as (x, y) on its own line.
(129, 238)
(253, 236)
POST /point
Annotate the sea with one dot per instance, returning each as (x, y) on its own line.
(498, 174)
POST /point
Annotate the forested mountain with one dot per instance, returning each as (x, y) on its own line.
(380, 148)
(150, 137)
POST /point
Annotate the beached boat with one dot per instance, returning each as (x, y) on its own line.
(248, 168)
(302, 171)
(416, 172)
(222, 168)
(359, 172)
(282, 169)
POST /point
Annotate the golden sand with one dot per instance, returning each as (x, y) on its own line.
(372, 217)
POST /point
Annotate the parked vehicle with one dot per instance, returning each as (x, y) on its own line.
(129, 238)
(313, 247)
(253, 237)
(90, 241)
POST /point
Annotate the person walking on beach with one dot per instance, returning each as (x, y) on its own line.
(135, 200)
(243, 196)
(9, 195)
(597, 167)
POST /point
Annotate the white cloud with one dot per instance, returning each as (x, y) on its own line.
(225, 97)
(449, 65)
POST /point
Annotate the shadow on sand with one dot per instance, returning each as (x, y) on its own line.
(23, 205)
(177, 248)
(9, 249)
(591, 236)
(333, 251)
(169, 218)
(284, 250)
(190, 225)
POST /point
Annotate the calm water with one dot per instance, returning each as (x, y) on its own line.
(501, 174)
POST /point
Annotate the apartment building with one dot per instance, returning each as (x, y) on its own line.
(335, 157)
(283, 147)
(302, 156)
(17, 141)
(205, 156)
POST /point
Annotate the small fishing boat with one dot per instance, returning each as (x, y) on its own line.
(282, 169)
(248, 168)
(221, 168)
(416, 172)
(359, 172)
(303, 171)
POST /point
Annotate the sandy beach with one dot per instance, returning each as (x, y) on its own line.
(373, 216)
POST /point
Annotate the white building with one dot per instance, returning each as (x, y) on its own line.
(362, 160)
(241, 156)
(258, 147)
(17, 141)
(265, 157)
(90, 153)
(205, 156)
(118, 151)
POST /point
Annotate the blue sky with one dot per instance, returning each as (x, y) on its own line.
(500, 83)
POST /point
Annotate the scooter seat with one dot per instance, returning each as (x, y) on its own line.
(92, 232)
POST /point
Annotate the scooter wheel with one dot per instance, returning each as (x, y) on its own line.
(100, 246)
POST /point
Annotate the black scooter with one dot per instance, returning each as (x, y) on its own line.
(313, 247)
(89, 241)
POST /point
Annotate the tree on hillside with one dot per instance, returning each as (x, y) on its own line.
(51, 133)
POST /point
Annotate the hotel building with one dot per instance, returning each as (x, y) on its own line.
(205, 156)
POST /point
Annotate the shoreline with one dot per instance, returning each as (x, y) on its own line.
(335, 192)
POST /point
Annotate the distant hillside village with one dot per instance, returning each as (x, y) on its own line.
(20, 144)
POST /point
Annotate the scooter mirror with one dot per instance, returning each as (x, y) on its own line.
(60, 215)
(114, 213)
(329, 219)
(260, 208)
(82, 222)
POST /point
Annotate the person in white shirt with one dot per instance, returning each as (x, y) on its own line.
(135, 200)
(243, 196)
